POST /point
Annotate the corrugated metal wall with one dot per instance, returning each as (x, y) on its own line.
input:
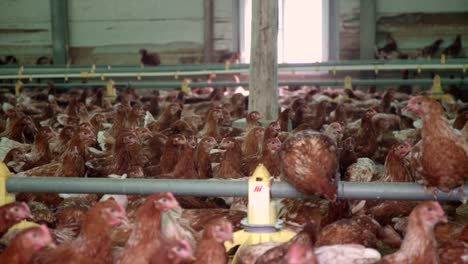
(25, 29)
(414, 24)
(112, 32)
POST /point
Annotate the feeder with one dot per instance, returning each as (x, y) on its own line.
(6, 198)
(261, 224)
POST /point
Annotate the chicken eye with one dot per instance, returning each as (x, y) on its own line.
(16, 209)
(113, 210)
(34, 235)
(429, 209)
(178, 249)
(419, 103)
(163, 200)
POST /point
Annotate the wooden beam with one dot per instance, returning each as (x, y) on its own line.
(263, 59)
(208, 31)
(59, 19)
(367, 28)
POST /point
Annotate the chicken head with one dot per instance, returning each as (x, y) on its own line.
(422, 105)
(255, 116)
(401, 149)
(300, 254)
(35, 238)
(180, 251)
(130, 139)
(219, 229)
(274, 145)
(227, 143)
(113, 212)
(165, 201)
(17, 212)
(430, 213)
(209, 143)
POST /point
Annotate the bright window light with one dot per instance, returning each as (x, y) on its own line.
(299, 31)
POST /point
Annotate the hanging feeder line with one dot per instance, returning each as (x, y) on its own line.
(220, 188)
(220, 66)
(176, 85)
(35, 71)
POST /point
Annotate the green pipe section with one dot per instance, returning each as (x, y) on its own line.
(223, 188)
(176, 85)
(246, 65)
(33, 69)
(59, 20)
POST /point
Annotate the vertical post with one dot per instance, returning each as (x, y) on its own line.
(334, 29)
(208, 30)
(59, 20)
(367, 28)
(264, 59)
(236, 17)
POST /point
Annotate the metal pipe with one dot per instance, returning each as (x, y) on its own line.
(175, 85)
(391, 191)
(217, 66)
(205, 69)
(224, 188)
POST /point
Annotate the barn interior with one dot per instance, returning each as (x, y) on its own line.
(245, 131)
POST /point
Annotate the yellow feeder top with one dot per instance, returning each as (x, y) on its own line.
(261, 174)
(5, 197)
(261, 224)
(259, 209)
(23, 224)
(437, 92)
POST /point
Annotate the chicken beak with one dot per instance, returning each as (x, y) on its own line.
(444, 218)
(29, 216)
(123, 219)
(51, 245)
(230, 238)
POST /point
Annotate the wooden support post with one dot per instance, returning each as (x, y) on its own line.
(209, 31)
(367, 28)
(59, 14)
(263, 59)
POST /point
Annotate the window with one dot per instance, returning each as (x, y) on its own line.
(300, 31)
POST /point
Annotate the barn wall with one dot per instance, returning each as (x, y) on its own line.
(25, 29)
(105, 33)
(414, 24)
(223, 28)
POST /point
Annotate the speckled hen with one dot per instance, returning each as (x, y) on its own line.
(309, 162)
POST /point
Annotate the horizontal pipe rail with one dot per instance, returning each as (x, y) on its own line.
(175, 85)
(205, 69)
(219, 66)
(223, 188)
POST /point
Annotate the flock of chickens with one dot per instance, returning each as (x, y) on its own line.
(345, 133)
(391, 51)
